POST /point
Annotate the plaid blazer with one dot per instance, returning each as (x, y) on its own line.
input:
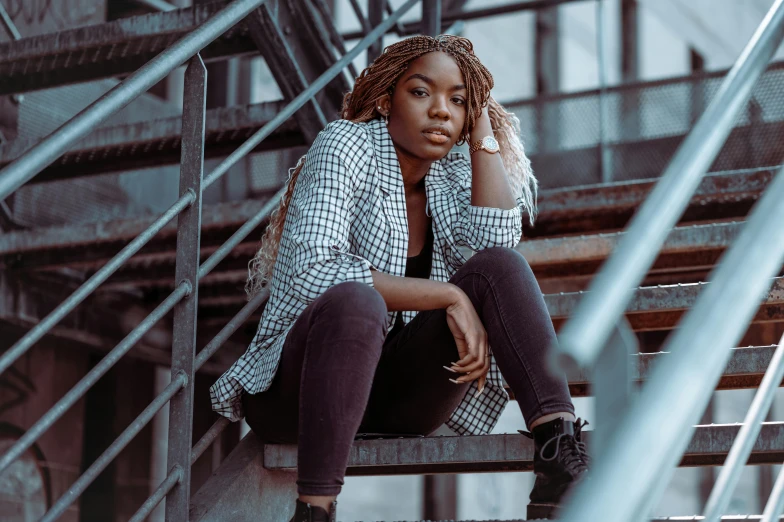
(348, 214)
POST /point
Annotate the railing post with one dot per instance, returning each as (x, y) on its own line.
(188, 239)
(612, 384)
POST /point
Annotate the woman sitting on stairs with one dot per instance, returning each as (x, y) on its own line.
(376, 322)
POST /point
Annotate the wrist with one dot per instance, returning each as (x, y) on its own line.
(454, 294)
(482, 127)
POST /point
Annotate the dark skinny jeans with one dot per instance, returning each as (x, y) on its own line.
(340, 374)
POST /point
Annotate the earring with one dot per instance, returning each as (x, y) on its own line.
(385, 116)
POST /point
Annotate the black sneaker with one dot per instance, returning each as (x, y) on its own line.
(560, 461)
(307, 513)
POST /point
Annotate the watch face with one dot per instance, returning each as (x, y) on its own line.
(489, 143)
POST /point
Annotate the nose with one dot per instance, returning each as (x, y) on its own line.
(439, 108)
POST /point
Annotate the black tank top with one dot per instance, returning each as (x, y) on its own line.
(418, 266)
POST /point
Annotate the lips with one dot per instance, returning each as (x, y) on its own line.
(436, 134)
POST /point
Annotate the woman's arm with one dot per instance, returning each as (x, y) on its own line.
(490, 186)
(410, 293)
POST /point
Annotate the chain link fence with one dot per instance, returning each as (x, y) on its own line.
(646, 123)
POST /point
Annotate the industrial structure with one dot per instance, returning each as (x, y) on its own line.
(144, 143)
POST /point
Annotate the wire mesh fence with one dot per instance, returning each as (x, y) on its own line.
(646, 123)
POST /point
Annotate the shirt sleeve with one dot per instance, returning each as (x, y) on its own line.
(319, 216)
(481, 227)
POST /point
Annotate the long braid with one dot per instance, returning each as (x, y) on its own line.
(359, 106)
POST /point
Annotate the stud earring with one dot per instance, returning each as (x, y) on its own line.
(385, 116)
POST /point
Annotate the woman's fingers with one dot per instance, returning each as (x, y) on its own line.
(480, 373)
(476, 357)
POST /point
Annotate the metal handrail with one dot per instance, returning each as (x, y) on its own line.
(587, 331)
(172, 479)
(86, 382)
(89, 286)
(729, 476)
(10, 28)
(654, 434)
(179, 382)
(34, 335)
(775, 504)
(53, 146)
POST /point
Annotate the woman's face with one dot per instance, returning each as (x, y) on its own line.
(428, 107)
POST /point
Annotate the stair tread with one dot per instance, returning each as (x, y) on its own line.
(683, 240)
(509, 452)
(108, 49)
(582, 200)
(157, 142)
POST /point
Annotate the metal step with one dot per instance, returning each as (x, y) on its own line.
(110, 49)
(255, 475)
(90, 246)
(493, 453)
(158, 142)
(694, 247)
(651, 308)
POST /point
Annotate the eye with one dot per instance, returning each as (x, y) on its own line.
(458, 101)
(419, 93)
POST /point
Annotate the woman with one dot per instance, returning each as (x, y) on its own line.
(376, 321)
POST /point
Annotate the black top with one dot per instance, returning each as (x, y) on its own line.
(417, 266)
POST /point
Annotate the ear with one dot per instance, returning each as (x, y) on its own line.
(384, 105)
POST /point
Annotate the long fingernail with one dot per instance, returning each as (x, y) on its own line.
(455, 381)
(479, 391)
(450, 369)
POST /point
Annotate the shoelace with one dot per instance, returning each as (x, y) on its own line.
(575, 454)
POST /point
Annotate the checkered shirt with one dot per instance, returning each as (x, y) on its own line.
(348, 214)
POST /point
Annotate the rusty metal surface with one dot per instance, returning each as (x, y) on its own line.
(158, 142)
(656, 298)
(744, 370)
(722, 187)
(61, 241)
(109, 49)
(493, 453)
(651, 308)
(552, 252)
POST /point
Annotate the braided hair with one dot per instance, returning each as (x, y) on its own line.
(359, 105)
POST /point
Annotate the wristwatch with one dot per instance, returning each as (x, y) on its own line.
(488, 143)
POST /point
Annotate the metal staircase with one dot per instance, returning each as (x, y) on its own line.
(646, 274)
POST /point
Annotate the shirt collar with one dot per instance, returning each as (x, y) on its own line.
(391, 177)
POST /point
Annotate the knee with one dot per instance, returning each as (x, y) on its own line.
(499, 260)
(345, 300)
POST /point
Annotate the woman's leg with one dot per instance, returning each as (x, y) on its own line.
(322, 385)
(411, 392)
(508, 299)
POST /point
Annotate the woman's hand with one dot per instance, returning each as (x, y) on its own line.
(471, 339)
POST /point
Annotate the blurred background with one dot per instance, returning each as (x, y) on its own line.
(605, 91)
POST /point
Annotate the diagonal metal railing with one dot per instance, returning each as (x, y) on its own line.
(586, 332)
(183, 299)
(655, 431)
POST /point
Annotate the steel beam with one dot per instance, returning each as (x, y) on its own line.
(264, 25)
(158, 142)
(185, 313)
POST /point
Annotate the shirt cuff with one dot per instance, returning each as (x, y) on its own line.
(488, 217)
